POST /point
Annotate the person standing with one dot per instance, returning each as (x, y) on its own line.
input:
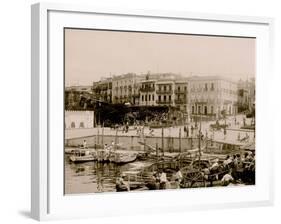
(85, 144)
(163, 180)
(121, 185)
(227, 179)
(238, 136)
(178, 178)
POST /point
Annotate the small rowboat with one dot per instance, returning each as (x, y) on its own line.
(103, 156)
(81, 156)
(80, 159)
(122, 157)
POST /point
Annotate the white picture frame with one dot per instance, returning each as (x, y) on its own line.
(47, 198)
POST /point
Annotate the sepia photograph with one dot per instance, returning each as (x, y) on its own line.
(157, 111)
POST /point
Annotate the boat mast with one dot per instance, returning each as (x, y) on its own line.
(115, 143)
(199, 142)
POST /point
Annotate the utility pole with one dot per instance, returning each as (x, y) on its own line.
(157, 153)
(115, 143)
(102, 134)
(180, 140)
(162, 140)
(199, 142)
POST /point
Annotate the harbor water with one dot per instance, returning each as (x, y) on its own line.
(94, 177)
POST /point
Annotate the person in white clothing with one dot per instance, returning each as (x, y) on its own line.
(85, 144)
(227, 178)
(163, 180)
(178, 178)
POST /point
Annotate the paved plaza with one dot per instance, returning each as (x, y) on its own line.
(232, 131)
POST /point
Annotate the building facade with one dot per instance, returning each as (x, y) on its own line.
(78, 119)
(148, 91)
(165, 89)
(212, 95)
(165, 92)
(206, 95)
(246, 95)
(181, 95)
(102, 90)
(125, 88)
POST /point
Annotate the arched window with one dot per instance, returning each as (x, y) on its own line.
(72, 125)
(81, 125)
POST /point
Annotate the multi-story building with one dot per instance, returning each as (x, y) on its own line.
(164, 89)
(246, 94)
(211, 95)
(243, 100)
(148, 91)
(181, 95)
(208, 95)
(125, 88)
(102, 90)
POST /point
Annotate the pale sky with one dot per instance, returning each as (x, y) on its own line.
(92, 54)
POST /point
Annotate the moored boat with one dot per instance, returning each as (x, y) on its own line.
(122, 157)
(81, 156)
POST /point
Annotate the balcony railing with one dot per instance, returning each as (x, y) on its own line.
(181, 101)
(181, 91)
(168, 91)
(135, 94)
(147, 89)
(164, 102)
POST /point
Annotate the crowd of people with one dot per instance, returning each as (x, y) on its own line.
(234, 169)
(158, 117)
(237, 168)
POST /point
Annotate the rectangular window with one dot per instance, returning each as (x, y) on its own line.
(164, 88)
(170, 98)
(164, 97)
(149, 97)
(145, 97)
(206, 87)
(152, 97)
(159, 98)
(142, 97)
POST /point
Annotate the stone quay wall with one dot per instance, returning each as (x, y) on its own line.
(170, 144)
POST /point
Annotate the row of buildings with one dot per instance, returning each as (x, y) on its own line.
(207, 95)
